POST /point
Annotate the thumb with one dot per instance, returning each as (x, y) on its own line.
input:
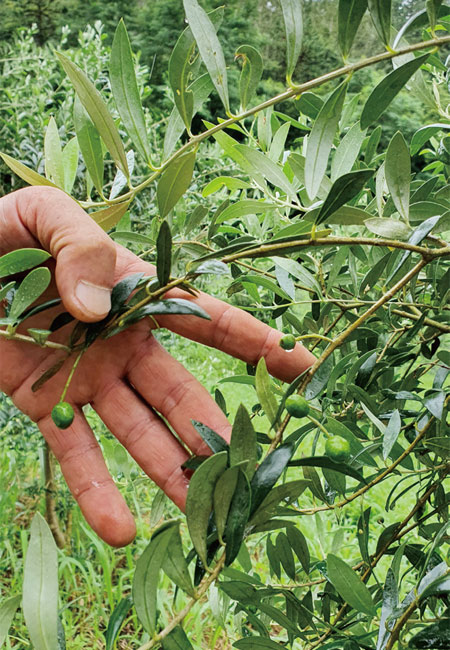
(85, 255)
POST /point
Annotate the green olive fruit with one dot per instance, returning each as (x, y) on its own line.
(297, 406)
(62, 415)
(337, 449)
(287, 342)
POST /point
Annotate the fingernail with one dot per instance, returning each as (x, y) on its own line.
(95, 300)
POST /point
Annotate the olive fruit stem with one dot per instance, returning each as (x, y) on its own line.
(319, 424)
(69, 378)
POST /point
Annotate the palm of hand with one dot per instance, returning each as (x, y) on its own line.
(130, 380)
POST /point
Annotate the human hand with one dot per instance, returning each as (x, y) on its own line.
(129, 379)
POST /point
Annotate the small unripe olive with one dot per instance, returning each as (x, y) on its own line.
(297, 406)
(287, 342)
(337, 449)
(62, 415)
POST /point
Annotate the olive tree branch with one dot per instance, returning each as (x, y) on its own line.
(294, 91)
(419, 504)
(29, 339)
(200, 592)
(339, 340)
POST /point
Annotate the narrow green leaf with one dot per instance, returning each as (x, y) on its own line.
(293, 23)
(214, 441)
(299, 546)
(32, 286)
(201, 88)
(286, 492)
(382, 95)
(40, 587)
(350, 14)
(347, 152)
(109, 217)
(283, 548)
(243, 441)
(325, 462)
(176, 640)
(70, 162)
(397, 169)
(257, 643)
(54, 165)
(349, 586)
(391, 433)
(98, 111)
(321, 138)
(25, 173)
(390, 228)
(268, 473)
(175, 565)
(125, 90)
(229, 182)
(164, 254)
(320, 379)
(417, 236)
(209, 47)
(8, 609)
(433, 7)
(390, 604)
(259, 163)
(243, 208)
(299, 272)
(252, 69)
(120, 180)
(116, 621)
(423, 134)
(264, 391)
(223, 494)
(90, 144)
(343, 190)
(182, 67)
(199, 501)
(434, 635)
(237, 519)
(169, 307)
(21, 260)
(174, 182)
(363, 534)
(380, 12)
(145, 579)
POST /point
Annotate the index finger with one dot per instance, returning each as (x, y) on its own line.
(241, 335)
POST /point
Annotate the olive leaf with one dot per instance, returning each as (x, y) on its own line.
(90, 144)
(40, 586)
(21, 259)
(28, 175)
(321, 138)
(125, 90)
(209, 47)
(380, 12)
(397, 168)
(349, 586)
(174, 182)
(382, 95)
(97, 110)
(252, 69)
(145, 580)
(32, 286)
(200, 500)
(54, 165)
(350, 14)
(293, 24)
(164, 254)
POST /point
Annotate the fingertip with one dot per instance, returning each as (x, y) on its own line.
(115, 525)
